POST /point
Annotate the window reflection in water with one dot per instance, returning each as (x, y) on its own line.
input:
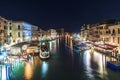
(71, 44)
(53, 46)
(98, 62)
(99, 58)
(5, 72)
(44, 69)
(28, 70)
(87, 63)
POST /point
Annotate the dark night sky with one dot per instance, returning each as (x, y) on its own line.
(60, 14)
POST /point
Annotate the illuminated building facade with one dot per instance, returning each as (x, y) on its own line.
(27, 31)
(34, 32)
(13, 32)
(41, 34)
(107, 32)
(114, 31)
(51, 33)
(60, 32)
(85, 32)
(19, 31)
(3, 31)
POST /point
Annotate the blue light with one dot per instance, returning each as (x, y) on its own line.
(27, 30)
(77, 35)
(2, 55)
(26, 26)
(27, 33)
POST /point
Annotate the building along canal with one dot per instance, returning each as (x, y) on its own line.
(64, 64)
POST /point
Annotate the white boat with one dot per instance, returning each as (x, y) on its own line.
(44, 52)
(82, 46)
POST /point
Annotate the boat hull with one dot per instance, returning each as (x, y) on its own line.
(44, 57)
(113, 65)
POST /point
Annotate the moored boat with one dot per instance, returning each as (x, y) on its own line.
(44, 52)
(113, 64)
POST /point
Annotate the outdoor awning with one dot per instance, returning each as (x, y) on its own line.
(81, 45)
(105, 46)
(20, 44)
(110, 46)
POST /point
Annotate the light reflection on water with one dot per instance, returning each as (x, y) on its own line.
(4, 74)
(101, 62)
(95, 65)
(44, 69)
(28, 70)
(87, 63)
(52, 46)
(95, 62)
(64, 65)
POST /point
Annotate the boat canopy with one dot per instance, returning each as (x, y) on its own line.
(81, 45)
(106, 46)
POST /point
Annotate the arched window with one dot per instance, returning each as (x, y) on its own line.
(18, 27)
(118, 31)
(10, 27)
(109, 31)
(113, 31)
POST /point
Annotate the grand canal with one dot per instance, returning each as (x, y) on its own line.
(64, 64)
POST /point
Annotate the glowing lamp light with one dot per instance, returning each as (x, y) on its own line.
(71, 37)
(24, 47)
(43, 43)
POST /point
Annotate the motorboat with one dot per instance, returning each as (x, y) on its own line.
(82, 46)
(113, 65)
(44, 52)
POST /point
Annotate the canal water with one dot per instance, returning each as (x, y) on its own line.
(64, 64)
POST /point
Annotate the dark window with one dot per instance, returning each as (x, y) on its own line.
(0, 31)
(118, 40)
(3, 31)
(113, 39)
(118, 31)
(109, 31)
(18, 34)
(5, 27)
(5, 41)
(113, 31)
(10, 27)
(13, 40)
(10, 34)
(18, 27)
